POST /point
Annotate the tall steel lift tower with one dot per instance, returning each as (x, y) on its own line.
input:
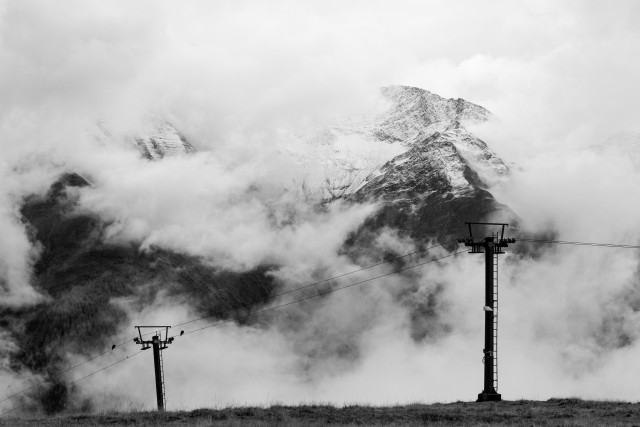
(158, 344)
(491, 246)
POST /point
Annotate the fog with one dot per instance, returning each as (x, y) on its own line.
(237, 78)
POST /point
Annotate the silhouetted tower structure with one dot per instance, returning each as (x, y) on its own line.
(491, 247)
(157, 344)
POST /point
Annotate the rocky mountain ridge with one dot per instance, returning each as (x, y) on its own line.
(412, 117)
(418, 158)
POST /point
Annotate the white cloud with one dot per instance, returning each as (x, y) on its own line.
(561, 76)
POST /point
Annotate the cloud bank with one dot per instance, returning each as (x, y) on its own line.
(235, 76)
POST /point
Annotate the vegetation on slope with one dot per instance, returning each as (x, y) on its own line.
(554, 412)
(84, 277)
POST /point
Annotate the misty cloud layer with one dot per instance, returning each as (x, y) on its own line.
(238, 78)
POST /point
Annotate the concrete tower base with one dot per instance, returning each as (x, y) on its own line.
(489, 397)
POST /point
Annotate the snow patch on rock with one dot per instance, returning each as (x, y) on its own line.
(340, 160)
(154, 138)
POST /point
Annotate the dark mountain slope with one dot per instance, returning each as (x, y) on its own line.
(428, 192)
(85, 277)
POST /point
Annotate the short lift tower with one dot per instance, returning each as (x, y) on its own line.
(158, 344)
(491, 246)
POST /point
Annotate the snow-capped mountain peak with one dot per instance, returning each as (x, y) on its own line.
(417, 157)
(354, 150)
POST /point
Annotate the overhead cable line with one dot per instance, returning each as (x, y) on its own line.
(225, 312)
(63, 372)
(272, 297)
(563, 242)
(245, 316)
(591, 244)
(75, 381)
(323, 293)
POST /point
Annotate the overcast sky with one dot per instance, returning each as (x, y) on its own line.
(554, 70)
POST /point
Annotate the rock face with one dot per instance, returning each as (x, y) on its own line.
(430, 191)
(159, 139)
(155, 138)
(419, 160)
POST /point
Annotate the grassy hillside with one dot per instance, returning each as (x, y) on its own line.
(554, 412)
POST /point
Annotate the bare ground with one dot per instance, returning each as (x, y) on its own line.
(554, 412)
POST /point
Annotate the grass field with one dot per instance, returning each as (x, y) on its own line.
(554, 412)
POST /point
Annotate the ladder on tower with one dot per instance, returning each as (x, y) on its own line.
(164, 392)
(495, 316)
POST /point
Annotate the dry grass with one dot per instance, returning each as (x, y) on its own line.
(554, 412)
